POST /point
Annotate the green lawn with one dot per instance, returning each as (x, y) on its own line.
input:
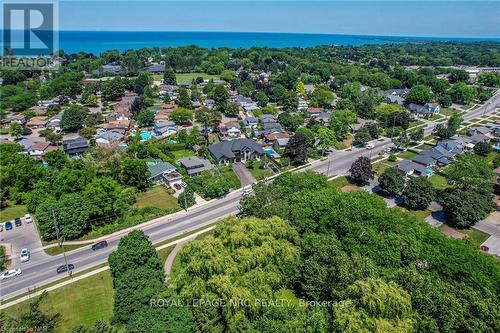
(476, 237)
(425, 146)
(181, 154)
(11, 212)
(79, 303)
(438, 182)
(163, 254)
(339, 182)
(447, 112)
(407, 155)
(380, 167)
(229, 174)
(53, 251)
(259, 173)
(156, 196)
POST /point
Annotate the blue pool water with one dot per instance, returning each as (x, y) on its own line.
(146, 135)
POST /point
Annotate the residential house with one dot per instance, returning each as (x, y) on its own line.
(280, 143)
(410, 168)
(251, 122)
(395, 99)
(110, 138)
(156, 68)
(39, 110)
(303, 104)
(117, 125)
(75, 146)
(236, 150)
(165, 128)
(18, 118)
(195, 165)
(309, 88)
(268, 118)
(272, 127)
(478, 130)
(54, 123)
(111, 69)
(270, 138)
(323, 117)
(230, 130)
(163, 173)
(432, 108)
(314, 111)
(38, 149)
(37, 122)
(426, 110)
(26, 143)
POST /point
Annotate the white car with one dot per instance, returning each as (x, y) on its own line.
(10, 273)
(28, 218)
(25, 255)
(247, 191)
(369, 146)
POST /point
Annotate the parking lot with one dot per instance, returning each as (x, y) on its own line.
(23, 236)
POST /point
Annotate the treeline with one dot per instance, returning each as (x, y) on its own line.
(79, 195)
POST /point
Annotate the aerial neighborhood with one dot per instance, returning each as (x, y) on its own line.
(371, 170)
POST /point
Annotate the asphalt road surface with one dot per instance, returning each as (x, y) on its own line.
(38, 272)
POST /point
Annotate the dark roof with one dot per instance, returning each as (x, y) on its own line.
(156, 68)
(423, 159)
(229, 148)
(75, 143)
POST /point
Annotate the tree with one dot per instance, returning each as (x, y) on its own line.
(402, 141)
(207, 118)
(186, 198)
(70, 212)
(458, 75)
(296, 149)
(100, 196)
(362, 136)
(135, 173)
(183, 100)
(466, 207)
(145, 118)
(72, 118)
(36, 317)
(443, 132)
(261, 99)
(418, 193)
(221, 97)
(461, 93)
(56, 159)
(232, 109)
(169, 77)
(483, 148)
(326, 138)
(489, 79)
(16, 130)
(454, 122)
(141, 82)
(419, 94)
(361, 170)
(391, 182)
(89, 99)
(137, 275)
(289, 101)
(471, 171)
(340, 120)
(322, 97)
(181, 116)
(291, 122)
(300, 88)
(417, 135)
(113, 89)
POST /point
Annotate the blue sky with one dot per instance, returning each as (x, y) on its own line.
(391, 18)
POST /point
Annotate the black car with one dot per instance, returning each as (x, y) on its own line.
(64, 268)
(18, 222)
(99, 245)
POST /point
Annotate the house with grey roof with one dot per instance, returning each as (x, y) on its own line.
(410, 168)
(75, 146)
(156, 68)
(195, 165)
(478, 130)
(109, 138)
(163, 173)
(237, 150)
(394, 99)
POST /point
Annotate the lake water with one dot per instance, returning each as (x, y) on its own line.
(99, 41)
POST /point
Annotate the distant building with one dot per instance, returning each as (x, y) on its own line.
(75, 146)
(163, 173)
(195, 165)
(236, 150)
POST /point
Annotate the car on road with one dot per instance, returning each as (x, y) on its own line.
(10, 273)
(28, 218)
(18, 222)
(25, 255)
(247, 191)
(99, 245)
(65, 268)
(8, 225)
(369, 146)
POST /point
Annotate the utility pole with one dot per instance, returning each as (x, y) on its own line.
(60, 241)
(185, 200)
(328, 169)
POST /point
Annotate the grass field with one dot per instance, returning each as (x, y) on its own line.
(259, 173)
(438, 182)
(181, 154)
(380, 167)
(447, 112)
(79, 303)
(475, 237)
(156, 196)
(11, 212)
(425, 146)
(228, 173)
(339, 182)
(407, 155)
(53, 251)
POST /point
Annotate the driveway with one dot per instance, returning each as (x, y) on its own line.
(243, 174)
(25, 236)
(490, 225)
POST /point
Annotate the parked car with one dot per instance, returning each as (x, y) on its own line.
(369, 146)
(247, 191)
(177, 186)
(28, 218)
(10, 273)
(25, 255)
(18, 222)
(99, 245)
(8, 225)
(65, 268)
